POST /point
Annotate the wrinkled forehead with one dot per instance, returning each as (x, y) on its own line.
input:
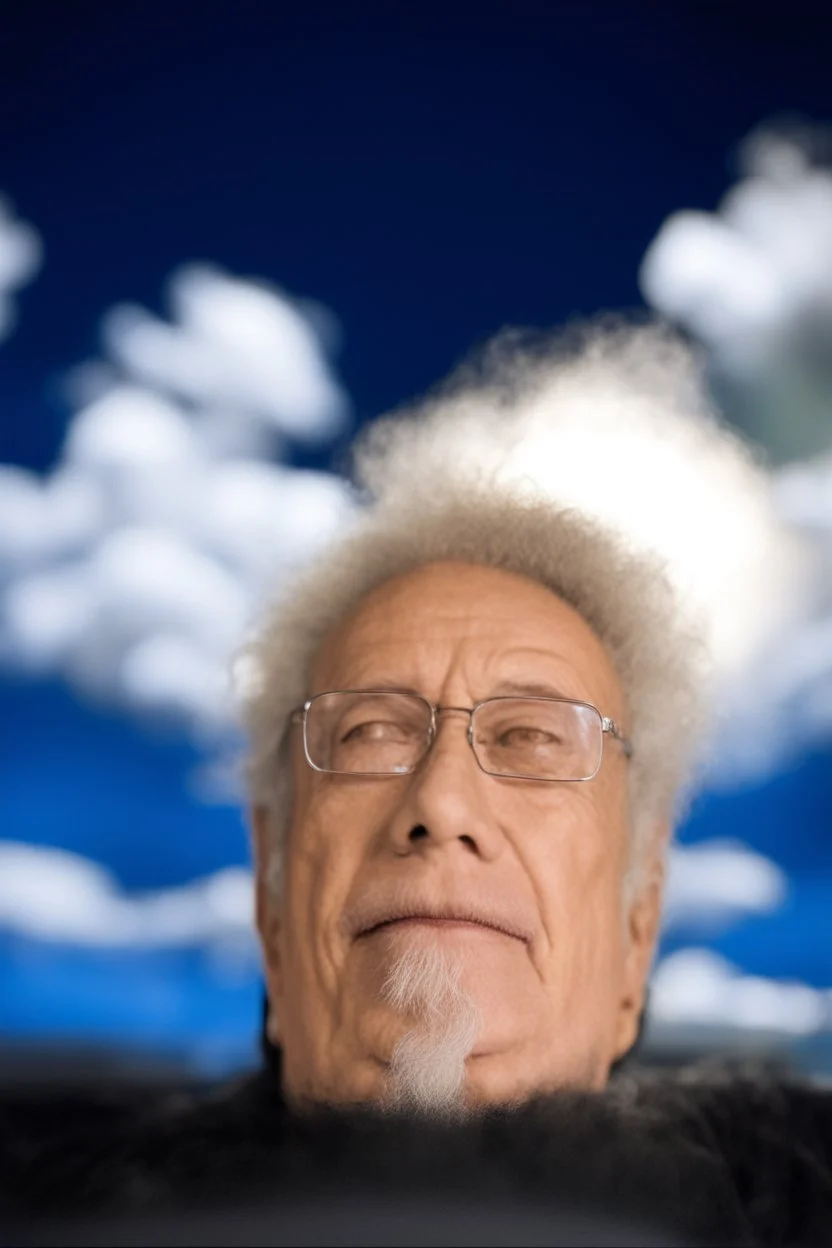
(497, 627)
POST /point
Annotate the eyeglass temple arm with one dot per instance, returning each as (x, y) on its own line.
(610, 726)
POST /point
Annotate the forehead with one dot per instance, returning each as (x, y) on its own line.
(490, 625)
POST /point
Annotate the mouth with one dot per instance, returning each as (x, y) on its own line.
(442, 921)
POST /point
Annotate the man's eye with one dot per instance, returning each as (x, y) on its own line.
(519, 735)
(374, 730)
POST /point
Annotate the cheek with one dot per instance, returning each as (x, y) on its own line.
(575, 849)
(318, 866)
(576, 835)
(328, 841)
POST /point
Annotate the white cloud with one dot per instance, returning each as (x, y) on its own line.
(233, 344)
(45, 519)
(783, 709)
(129, 429)
(20, 258)
(134, 568)
(170, 674)
(53, 895)
(696, 989)
(746, 279)
(753, 281)
(717, 883)
(782, 704)
(44, 615)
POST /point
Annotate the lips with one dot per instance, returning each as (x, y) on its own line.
(441, 917)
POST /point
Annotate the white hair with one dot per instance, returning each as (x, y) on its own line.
(427, 1068)
(435, 489)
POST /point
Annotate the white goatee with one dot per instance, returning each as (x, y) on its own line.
(427, 1069)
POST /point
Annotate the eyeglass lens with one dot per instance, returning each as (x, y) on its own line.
(389, 733)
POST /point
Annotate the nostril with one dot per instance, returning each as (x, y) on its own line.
(418, 833)
(468, 842)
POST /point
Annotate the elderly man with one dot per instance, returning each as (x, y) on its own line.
(470, 722)
(462, 904)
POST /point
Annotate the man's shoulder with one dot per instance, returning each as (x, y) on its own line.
(79, 1149)
(735, 1146)
(730, 1098)
(770, 1129)
(747, 1143)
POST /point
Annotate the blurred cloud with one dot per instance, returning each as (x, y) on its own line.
(782, 709)
(696, 988)
(21, 252)
(236, 345)
(753, 278)
(753, 282)
(53, 895)
(134, 568)
(712, 885)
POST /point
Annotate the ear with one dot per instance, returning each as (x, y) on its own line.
(267, 914)
(643, 921)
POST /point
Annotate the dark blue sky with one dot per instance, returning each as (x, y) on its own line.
(431, 172)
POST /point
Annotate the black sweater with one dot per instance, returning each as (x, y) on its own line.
(705, 1155)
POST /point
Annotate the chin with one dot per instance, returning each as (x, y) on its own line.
(365, 1084)
(493, 1078)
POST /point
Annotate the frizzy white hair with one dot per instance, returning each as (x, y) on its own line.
(436, 489)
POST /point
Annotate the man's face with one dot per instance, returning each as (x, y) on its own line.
(558, 999)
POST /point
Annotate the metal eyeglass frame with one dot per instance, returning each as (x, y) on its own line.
(608, 726)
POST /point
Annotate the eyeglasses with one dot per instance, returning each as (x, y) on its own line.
(376, 732)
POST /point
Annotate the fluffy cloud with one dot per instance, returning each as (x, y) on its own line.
(696, 995)
(135, 566)
(715, 884)
(53, 895)
(753, 282)
(753, 278)
(235, 346)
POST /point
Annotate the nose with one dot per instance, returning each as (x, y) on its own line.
(446, 805)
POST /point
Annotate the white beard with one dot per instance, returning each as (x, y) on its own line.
(427, 1069)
